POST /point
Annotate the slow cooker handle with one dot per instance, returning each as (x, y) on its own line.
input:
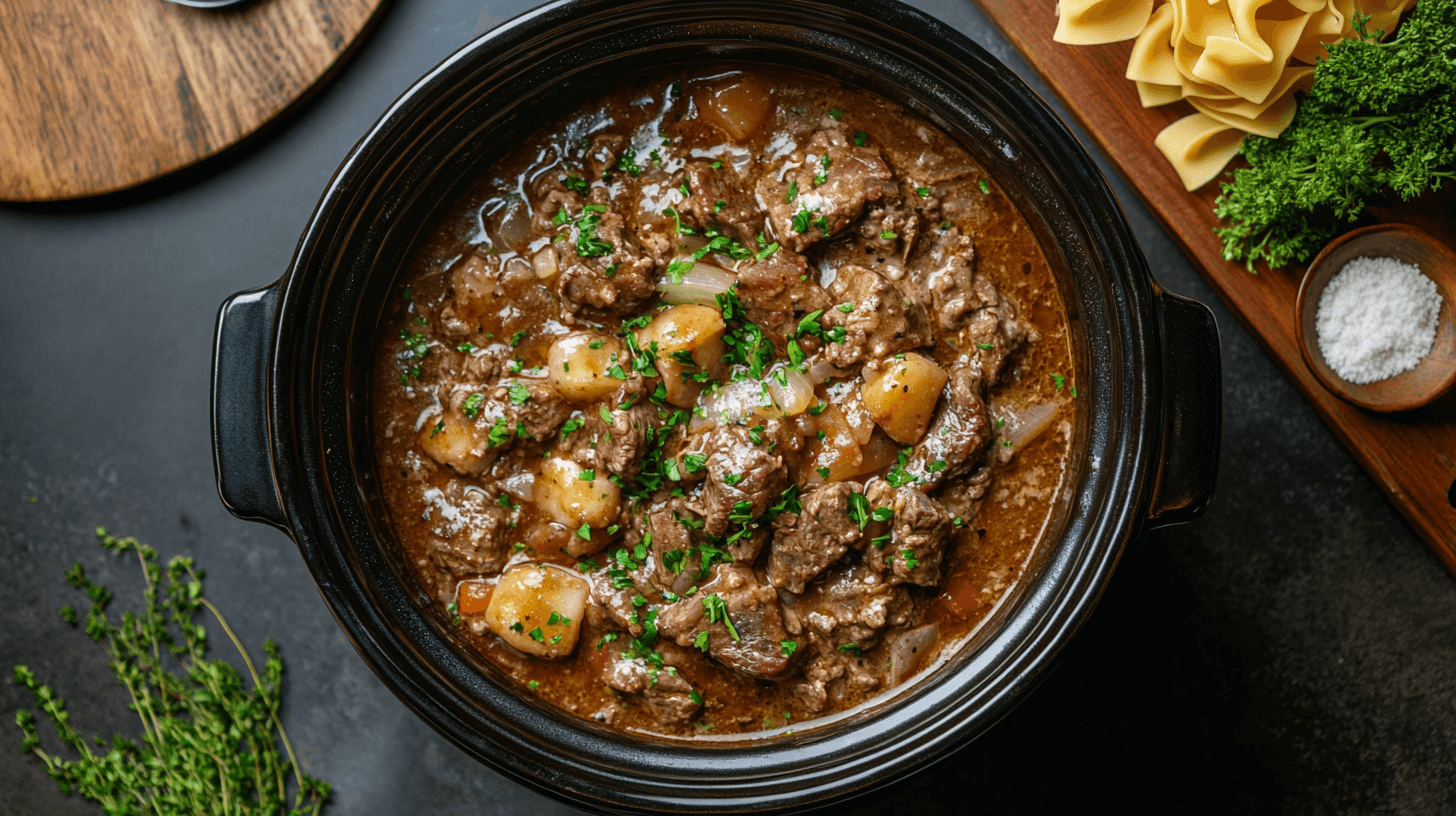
(1192, 412)
(242, 456)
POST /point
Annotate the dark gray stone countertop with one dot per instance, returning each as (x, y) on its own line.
(1293, 651)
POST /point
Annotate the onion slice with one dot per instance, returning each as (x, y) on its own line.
(909, 651)
(744, 397)
(702, 284)
(1025, 424)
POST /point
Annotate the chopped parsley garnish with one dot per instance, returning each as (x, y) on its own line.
(584, 532)
(588, 245)
(1058, 380)
(922, 191)
(586, 565)
(801, 220)
(577, 184)
(836, 114)
(888, 235)
(535, 684)
(519, 394)
(788, 647)
(909, 558)
(499, 433)
(673, 560)
(731, 479)
(816, 410)
(717, 612)
(986, 346)
(628, 162)
(882, 514)
(701, 641)
(860, 138)
(439, 426)
(767, 251)
(517, 338)
(852, 648)
(719, 205)
(605, 639)
(570, 426)
(695, 697)
(465, 348)
(859, 509)
(823, 472)
(695, 462)
(537, 635)
(985, 186)
(898, 476)
(935, 467)
(587, 475)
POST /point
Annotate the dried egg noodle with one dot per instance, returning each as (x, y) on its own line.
(1237, 62)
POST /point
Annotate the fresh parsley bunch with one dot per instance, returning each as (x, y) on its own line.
(209, 746)
(1379, 115)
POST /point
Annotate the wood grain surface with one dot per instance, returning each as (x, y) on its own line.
(98, 97)
(1411, 456)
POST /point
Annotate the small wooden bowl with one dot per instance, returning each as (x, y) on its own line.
(1435, 374)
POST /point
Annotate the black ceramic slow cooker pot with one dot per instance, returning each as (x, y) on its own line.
(291, 392)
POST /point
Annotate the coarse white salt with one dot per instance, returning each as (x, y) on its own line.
(1376, 319)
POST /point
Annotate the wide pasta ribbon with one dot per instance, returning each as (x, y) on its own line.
(1239, 63)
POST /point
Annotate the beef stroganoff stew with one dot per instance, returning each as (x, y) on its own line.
(728, 401)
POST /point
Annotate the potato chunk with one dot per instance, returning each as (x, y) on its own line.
(537, 609)
(901, 395)
(695, 329)
(451, 440)
(578, 362)
(577, 498)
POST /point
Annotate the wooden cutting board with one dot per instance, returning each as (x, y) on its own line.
(98, 97)
(1412, 457)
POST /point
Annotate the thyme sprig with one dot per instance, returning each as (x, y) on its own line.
(208, 744)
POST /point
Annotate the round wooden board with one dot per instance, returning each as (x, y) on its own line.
(98, 97)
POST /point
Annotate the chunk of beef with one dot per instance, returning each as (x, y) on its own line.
(469, 530)
(676, 562)
(854, 175)
(552, 200)
(738, 217)
(602, 267)
(851, 605)
(962, 299)
(613, 588)
(959, 434)
(668, 695)
(884, 322)
(920, 531)
(513, 408)
(756, 477)
(776, 288)
(753, 645)
(830, 674)
(618, 447)
(890, 230)
(603, 152)
(805, 544)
